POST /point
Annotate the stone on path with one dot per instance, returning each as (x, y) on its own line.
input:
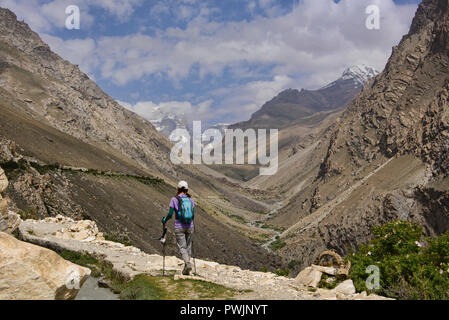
(346, 288)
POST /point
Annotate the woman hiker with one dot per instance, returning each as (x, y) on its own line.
(184, 208)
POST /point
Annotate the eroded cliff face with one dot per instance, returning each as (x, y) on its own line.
(405, 110)
(387, 155)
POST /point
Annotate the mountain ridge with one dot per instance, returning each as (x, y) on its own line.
(292, 104)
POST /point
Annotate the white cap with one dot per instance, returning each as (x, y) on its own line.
(183, 184)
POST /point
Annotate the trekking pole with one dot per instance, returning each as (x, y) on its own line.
(193, 248)
(163, 240)
(193, 253)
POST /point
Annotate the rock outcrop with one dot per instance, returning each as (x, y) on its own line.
(30, 272)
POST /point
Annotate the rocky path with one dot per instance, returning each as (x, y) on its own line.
(62, 233)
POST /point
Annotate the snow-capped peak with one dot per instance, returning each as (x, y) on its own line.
(360, 73)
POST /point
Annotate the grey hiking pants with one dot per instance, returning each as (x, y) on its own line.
(184, 238)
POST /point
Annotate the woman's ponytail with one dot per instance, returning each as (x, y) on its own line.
(183, 190)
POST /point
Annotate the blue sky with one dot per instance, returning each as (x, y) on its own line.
(217, 61)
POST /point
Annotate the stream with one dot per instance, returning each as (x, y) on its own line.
(277, 207)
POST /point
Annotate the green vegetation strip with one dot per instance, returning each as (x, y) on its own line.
(11, 168)
(145, 287)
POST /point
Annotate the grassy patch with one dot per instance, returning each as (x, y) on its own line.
(144, 287)
(277, 245)
(119, 238)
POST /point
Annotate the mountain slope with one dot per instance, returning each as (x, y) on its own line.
(58, 93)
(386, 156)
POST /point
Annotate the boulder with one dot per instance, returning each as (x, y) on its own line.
(29, 272)
(309, 277)
(345, 288)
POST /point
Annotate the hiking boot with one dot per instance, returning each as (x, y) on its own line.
(187, 270)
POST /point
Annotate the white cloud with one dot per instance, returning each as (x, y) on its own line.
(78, 51)
(44, 16)
(308, 47)
(319, 37)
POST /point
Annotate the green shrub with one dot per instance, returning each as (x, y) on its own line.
(283, 273)
(324, 284)
(411, 266)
